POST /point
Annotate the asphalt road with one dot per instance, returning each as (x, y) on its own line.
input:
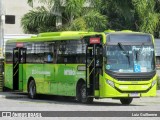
(13, 101)
(18, 101)
(10, 101)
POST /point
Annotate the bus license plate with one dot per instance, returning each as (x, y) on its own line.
(134, 95)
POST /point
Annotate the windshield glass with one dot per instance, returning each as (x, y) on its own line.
(130, 58)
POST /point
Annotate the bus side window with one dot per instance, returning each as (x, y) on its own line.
(49, 58)
(55, 56)
(65, 60)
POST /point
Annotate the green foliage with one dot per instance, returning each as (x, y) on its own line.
(77, 25)
(98, 15)
(148, 18)
(79, 15)
(95, 21)
(30, 2)
(39, 20)
(150, 23)
(74, 7)
(88, 22)
(120, 14)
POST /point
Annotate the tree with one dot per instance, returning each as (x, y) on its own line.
(38, 20)
(120, 14)
(148, 18)
(75, 14)
(136, 15)
(157, 10)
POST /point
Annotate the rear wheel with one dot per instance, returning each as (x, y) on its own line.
(82, 95)
(32, 89)
(126, 101)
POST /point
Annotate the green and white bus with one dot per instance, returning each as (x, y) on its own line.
(84, 65)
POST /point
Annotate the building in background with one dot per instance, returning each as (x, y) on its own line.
(11, 14)
(157, 48)
(13, 11)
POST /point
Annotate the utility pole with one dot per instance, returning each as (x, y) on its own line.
(1, 29)
(1, 47)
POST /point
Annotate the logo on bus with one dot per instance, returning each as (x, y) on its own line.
(34, 72)
(69, 72)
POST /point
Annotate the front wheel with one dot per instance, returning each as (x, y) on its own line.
(32, 89)
(126, 101)
(83, 97)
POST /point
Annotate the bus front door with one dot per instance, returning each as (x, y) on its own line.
(19, 58)
(94, 62)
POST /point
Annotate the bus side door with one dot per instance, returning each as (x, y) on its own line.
(94, 58)
(19, 58)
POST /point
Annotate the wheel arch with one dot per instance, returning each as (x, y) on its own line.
(79, 83)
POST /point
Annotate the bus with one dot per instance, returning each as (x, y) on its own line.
(84, 65)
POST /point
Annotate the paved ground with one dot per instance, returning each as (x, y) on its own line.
(13, 101)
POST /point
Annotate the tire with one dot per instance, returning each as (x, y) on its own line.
(83, 98)
(32, 89)
(126, 101)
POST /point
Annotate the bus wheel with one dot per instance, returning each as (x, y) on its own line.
(83, 96)
(32, 89)
(126, 101)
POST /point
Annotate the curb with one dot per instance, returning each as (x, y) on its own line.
(12, 95)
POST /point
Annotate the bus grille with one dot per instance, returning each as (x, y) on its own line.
(133, 79)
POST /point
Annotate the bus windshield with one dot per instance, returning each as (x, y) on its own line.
(130, 58)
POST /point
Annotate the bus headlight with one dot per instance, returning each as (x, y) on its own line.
(154, 82)
(111, 83)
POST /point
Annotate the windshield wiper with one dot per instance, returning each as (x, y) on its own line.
(139, 51)
(125, 51)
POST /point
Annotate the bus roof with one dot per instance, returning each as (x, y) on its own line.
(124, 32)
(50, 36)
(64, 33)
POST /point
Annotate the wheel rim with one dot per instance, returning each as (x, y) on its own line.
(83, 93)
(32, 89)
